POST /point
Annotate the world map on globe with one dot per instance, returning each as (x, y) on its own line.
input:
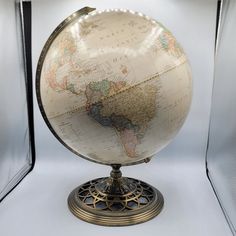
(114, 86)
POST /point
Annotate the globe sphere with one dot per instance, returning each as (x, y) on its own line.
(114, 86)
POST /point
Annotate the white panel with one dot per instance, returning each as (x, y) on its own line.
(222, 145)
(14, 139)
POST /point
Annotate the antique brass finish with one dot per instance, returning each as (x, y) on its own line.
(115, 200)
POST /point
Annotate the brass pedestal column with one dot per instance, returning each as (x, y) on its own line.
(115, 200)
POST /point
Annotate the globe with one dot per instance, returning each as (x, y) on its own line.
(113, 86)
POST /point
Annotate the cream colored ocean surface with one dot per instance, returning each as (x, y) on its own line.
(115, 86)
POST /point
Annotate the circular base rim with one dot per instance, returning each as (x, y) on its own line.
(115, 218)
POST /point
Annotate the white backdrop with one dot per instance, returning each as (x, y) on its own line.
(179, 172)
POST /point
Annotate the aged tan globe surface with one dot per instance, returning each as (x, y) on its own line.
(114, 86)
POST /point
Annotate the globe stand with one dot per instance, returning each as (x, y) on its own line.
(115, 200)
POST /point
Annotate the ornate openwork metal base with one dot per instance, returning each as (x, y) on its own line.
(115, 200)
